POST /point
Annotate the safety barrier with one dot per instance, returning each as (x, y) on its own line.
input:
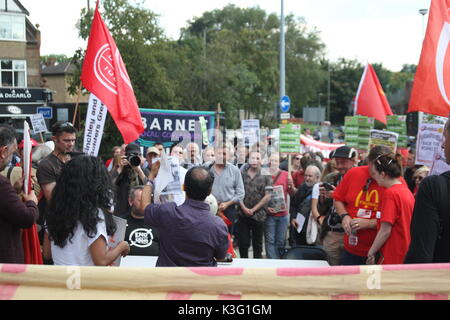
(431, 281)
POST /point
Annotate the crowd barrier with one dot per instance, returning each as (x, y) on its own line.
(406, 282)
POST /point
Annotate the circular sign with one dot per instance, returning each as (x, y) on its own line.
(285, 104)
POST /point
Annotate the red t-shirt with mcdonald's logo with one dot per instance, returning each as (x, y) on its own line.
(362, 200)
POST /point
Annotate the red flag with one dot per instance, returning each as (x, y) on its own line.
(431, 92)
(370, 100)
(104, 74)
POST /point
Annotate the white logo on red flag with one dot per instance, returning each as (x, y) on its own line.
(104, 68)
(444, 40)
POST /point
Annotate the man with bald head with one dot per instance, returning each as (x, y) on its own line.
(301, 204)
(189, 235)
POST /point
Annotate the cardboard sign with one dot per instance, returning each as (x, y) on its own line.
(38, 123)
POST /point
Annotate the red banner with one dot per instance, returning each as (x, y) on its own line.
(431, 92)
(104, 74)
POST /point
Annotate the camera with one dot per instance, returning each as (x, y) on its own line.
(133, 159)
(327, 186)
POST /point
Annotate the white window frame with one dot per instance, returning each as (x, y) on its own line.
(10, 15)
(12, 71)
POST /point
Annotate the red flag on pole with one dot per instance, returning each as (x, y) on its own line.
(370, 100)
(104, 74)
(431, 90)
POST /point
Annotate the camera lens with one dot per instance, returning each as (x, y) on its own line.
(134, 160)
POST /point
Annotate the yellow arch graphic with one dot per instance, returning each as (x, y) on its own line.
(368, 198)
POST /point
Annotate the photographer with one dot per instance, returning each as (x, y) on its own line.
(127, 174)
(332, 232)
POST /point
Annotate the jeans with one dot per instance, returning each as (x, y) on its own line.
(275, 235)
(350, 259)
(250, 230)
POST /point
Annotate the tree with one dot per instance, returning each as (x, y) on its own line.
(141, 43)
(241, 57)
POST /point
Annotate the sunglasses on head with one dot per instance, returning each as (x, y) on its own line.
(66, 125)
(377, 159)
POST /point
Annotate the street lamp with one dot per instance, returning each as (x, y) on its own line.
(423, 12)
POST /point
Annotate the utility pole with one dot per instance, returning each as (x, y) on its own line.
(282, 56)
(329, 93)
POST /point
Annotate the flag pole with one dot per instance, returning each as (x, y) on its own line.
(76, 105)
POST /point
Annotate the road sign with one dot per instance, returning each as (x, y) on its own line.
(285, 116)
(285, 104)
(47, 112)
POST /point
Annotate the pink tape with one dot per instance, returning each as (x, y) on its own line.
(178, 296)
(431, 296)
(323, 271)
(8, 291)
(13, 268)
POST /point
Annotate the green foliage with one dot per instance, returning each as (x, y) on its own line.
(58, 58)
(228, 56)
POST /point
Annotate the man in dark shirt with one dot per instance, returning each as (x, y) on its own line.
(142, 238)
(189, 234)
(49, 169)
(14, 214)
(430, 225)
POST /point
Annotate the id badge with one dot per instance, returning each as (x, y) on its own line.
(378, 214)
(365, 214)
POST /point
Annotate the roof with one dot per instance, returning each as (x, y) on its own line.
(14, 6)
(59, 69)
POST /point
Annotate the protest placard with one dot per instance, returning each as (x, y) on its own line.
(290, 138)
(38, 123)
(383, 138)
(429, 138)
(250, 131)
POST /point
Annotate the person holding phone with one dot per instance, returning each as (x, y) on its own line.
(397, 205)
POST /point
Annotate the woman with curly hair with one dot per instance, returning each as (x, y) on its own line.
(79, 220)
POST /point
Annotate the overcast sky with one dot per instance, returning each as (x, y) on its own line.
(377, 31)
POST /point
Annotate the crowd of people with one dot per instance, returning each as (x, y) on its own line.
(380, 209)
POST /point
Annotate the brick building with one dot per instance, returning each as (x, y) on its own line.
(20, 79)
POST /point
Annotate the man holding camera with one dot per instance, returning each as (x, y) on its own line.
(332, 231)
(128, 174)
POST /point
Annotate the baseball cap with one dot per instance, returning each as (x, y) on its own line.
(132, 148)
(153, 150)
(344, 152)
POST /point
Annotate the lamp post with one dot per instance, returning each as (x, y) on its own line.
(282, 54)
(423, 12)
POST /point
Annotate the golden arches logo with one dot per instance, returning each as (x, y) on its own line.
(367, 202)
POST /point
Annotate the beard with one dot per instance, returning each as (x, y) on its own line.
(309, 184)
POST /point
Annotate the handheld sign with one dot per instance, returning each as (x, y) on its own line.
(38, 123)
